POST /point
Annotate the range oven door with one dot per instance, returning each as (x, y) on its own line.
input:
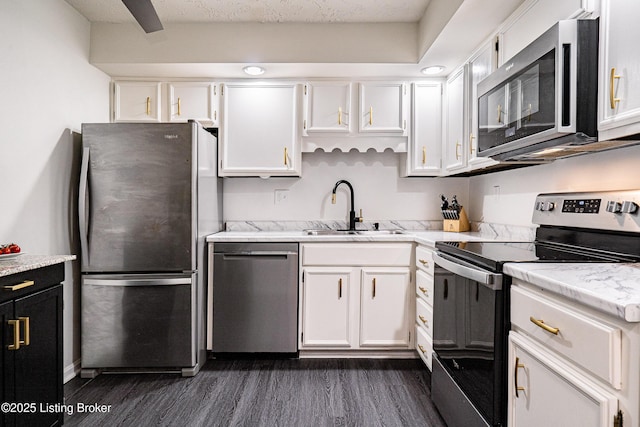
(469, 342)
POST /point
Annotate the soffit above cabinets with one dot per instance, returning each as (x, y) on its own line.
(327, 11)
(292, 39)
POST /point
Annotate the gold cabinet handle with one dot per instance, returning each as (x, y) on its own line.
(457, 154)
(424, 262)
(424, 291)
(422, 319)
(370, 116)
(515, 376)
(16, 334)
(19, 286)
(499, 113)
(373, 290)
(148, 106)
(340, 115)
(422, 349)
(27, 331)
(544, 326)
(612, 99)
(424, 154)
(471, 138)
(179, 107)
(286, 156)
(340, 288)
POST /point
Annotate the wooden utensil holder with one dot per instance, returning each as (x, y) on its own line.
(457, 225)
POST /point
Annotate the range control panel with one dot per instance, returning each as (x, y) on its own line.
(588, 206)
(612, 210)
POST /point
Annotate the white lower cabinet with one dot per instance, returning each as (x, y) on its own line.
(356, 303)
(424, 267)
(570, 365)
(325, 307)
(548, 392)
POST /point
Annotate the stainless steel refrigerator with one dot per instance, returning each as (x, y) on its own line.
(149, 195)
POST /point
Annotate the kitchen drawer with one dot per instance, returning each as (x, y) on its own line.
(424, 259)
(424, 345)
(587, 341)
(424, 316)
(42, 278)
(360, 254)
(424, 286)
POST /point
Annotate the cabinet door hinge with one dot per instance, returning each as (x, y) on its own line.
(617, 419)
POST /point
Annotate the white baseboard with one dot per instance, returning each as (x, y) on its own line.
(70, 371)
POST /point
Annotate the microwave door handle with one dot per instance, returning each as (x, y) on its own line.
(566, 81)
(468, 271)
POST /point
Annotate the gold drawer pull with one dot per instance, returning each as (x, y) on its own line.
(373, 290)
(515, 376)
(422, 349)
(541, 324)
(148, 106)
(370, 116)
(424, 154)
(340, 115)
(286, 156)
(19, 286)
(425, 321)
(340, 288)
(424, 291)
(16, 334)
(424, 262)
(457, 153)
(179, 107)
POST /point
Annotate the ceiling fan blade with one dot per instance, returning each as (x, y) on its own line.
(145, 14)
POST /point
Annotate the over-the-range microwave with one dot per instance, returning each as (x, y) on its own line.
(542, 104)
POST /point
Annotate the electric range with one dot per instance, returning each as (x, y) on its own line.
(471, 304)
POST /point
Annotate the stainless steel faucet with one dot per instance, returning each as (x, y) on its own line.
(352, 213)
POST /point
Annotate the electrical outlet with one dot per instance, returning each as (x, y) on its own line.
(279, 196)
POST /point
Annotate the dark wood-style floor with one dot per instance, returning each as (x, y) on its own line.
(302, 392)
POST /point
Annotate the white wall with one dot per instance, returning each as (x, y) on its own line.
(48, 90)
(379, 191)
(508, 197)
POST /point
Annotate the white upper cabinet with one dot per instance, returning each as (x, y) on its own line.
(259, 133)
(136, 101)
(193, 101)
(480, 66)
(327, 107)
(535, 17)
(382, 107)
(455, 146)
(425, 142)
(619, 85)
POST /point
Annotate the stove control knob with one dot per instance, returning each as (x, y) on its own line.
(629, 207)
(614, 207)
(545, 206)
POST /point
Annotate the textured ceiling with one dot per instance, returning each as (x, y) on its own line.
(114, 11)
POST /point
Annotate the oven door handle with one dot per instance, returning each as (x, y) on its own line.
(469, 271)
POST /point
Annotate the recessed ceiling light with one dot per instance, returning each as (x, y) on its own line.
(253, 70)
(434, 69)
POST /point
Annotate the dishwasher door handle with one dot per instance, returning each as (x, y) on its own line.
(256, 254)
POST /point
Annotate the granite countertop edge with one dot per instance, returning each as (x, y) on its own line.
(26, 262)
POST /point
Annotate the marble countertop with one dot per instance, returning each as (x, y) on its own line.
(609, 287)
(26, 262)
(427, 237)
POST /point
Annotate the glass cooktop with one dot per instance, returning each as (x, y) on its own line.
(493, 255)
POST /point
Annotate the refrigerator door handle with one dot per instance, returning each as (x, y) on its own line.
(83, 208)
(138, 282)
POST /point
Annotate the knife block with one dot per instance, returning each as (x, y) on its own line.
(457, 225)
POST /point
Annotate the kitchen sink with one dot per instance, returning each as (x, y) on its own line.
(329, 232)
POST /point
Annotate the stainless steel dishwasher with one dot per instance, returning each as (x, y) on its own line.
(255, 298)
